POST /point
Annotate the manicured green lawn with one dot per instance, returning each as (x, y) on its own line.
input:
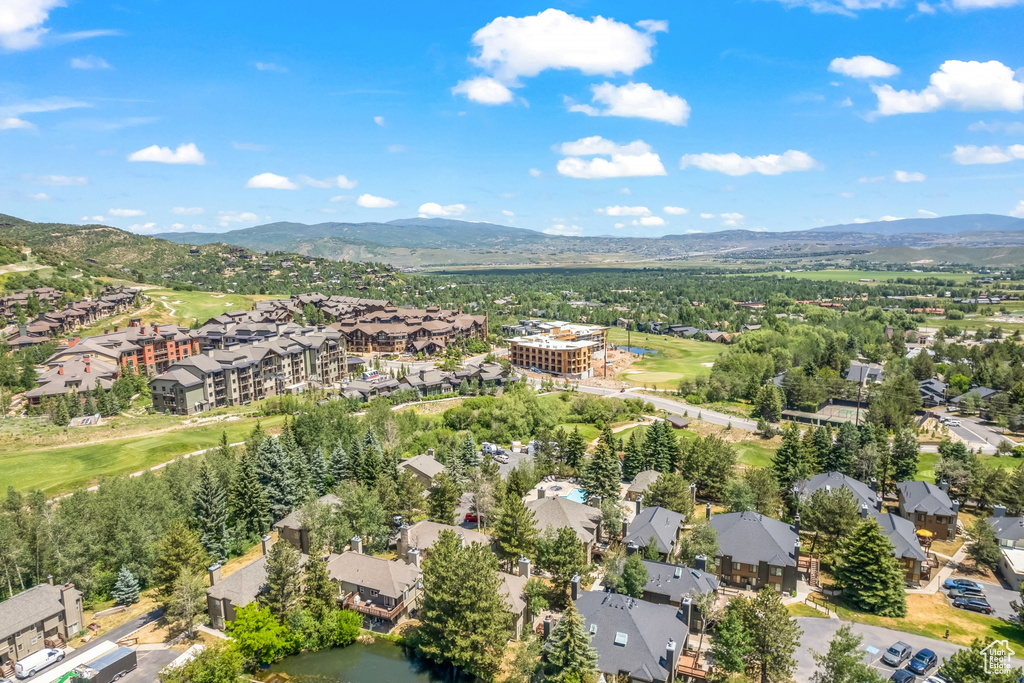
(587, 431)
(799, 609)
(676, 359)
(64, 469)
(188, 306)
(927, 461)
(755, 455)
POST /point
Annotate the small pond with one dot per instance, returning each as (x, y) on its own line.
(639, 350)
(380, 662)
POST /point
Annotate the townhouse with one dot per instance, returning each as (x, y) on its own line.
(80, 376)
(42, 616)
(928, 506)
(555, 512)
(1010, 536)
(397, 331)
(756, 551)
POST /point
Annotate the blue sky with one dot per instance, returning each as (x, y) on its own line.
(591, 118)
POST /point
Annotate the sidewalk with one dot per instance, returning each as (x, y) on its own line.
(946, 571)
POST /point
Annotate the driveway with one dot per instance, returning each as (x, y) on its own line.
(150, 664)
(999, 596)
(513, 460)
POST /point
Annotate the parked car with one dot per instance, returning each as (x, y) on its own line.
(974, 605)
(966, 592)
(37, 661)
(961, 583)
(500, 457)
(902, 676)
(952, 423)
(935, 679)
(472, 517)
(922, 662)
(897, 653)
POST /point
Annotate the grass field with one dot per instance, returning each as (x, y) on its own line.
(60, 469)
(184, 307)
(876, 275)
(676, 358)
(927, 461)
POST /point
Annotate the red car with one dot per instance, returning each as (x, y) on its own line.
(471, 517)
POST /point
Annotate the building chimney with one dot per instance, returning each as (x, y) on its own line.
(524, 567)
(796, 551)
(625, 527)
(874, 484)
(49, 579)
(575, 585)
(540, 492)
(404, 537)
(60, 369)
(88, 365)
(878, 502)
(998, 510)
(430, 452)
(357, 544)
(547, 627)
(639, 504)
(796, 524)
(632, 548)
(414, 557)
(214, 574)
(956, 507)
(117, 328)
(944, 486)
(267, 542)
(670, 657)
(707, 511)
(864, 511)
(700, 563)
(693, 492)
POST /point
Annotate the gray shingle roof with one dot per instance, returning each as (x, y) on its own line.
(557, 512)
(426, 465)
(643, 480)
(920, 496)
(661, 523)
(513, 590)
(292, 521)
(1008, 528)
(750, 538)
(647, 628)
(424, 535)
(806, 487)
(675, 581)
(28, 607)
(391, 578)
(903, 535)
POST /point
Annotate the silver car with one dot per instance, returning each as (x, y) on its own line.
(897, 653)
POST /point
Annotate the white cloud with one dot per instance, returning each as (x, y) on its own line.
(396, 149)
(93, 219)
(184, 154)
(1018, 211)
(535, 172)
(90, 62)
(851, 7)
(735, 165)
(846, 195)
(188, 210)
(57, 180)
(675, 210)
(379, 120)
(124, 213)
(270, 66)
(925, 8)
(484, 90)
(732, 220)
(21, 22)
(649, 221)
(506, 212)
(863, 66)
(859, 221)
(38, 197)
(969, 155)
(871, 179)
(633, 160)
(909, 177)
(340, 198)
(707, 215)
(1004, 127)
(249, 147)
(957, 85)
(271, 181)
(985, 4)
(511, 48)
(625, 211)
(13, 123)
(924, 213)
(338, 181)
(369, 201)
(142, 227)
(891, 218)
(564, 230)
(846, 102)
(226, 218)
(434, 209)
(620, 226)
(636, 100)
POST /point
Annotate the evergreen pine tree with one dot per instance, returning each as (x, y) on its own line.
(338, 465)
(102, 401)
(90, 405)
(317, 469)
(444, 498)
(126, 588)
(822, 444)
(516, 532)
(74, 404)
(905, 453)
(178, 552)
(984, 547)
(574, 449)
(250, 511)
(603, 474)
(210, 513)
(774, 636)
(843, 451)
(467, 455)
(372, 463)
(561, 553)
(633, 460)
(634, 576)
(570, 657)
(871, 578)
(790, 460)
(60, 412)
(114, 405)
(319, 594)
(274, 470)
(284, 581)
(844, 661)
(256, 437)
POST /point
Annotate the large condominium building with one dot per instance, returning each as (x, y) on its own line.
(558, 348)
(150, 348)
(408, 330)
(286, 310)
(51, 321)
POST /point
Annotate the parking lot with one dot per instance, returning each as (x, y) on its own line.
(999, 596)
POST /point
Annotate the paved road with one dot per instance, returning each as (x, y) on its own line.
(978, 435)
(121, 631)
(677, 407)
(150, 664)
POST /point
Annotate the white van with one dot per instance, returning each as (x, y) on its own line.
(37, 661)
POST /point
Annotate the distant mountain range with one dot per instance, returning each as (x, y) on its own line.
(434, 242)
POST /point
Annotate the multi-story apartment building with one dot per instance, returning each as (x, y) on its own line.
(756, 551)
(53, 322)
(150, 348)
(928, 506)
(558, 348)
(42, 616)
(394, 330)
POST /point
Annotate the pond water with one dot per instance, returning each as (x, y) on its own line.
(639, 350)
(380, 662)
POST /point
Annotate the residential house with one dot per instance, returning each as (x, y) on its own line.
(831, 481)
(513, 592)
(756, 551)
(984, 393)
(425, 466)
(80, 376)
(865, 372)
(430, 382)
(555, 512)
(641, 482)
(928, 506)
(380, 589)
(422, 536)
(1010, 536)
(42, 616)
(657, 524)
(671, 584)
(635, 640)
(290, 527)
(907, 549)
(933, 392)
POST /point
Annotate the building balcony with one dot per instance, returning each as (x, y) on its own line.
(372, 608)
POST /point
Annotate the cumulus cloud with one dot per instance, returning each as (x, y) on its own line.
(369, 201)
(863, 66)
(57, 180)
(13, 123)
(732, 220)
(187, 210)
(142, 227)
(93, 219)
(21, 22)
(270, 181)
(226, 218)
(636, 159)
(636, 100)
(625, 211)
(434, 209)
(484, 90)
(38, 196)
(124, 213)
(511, 48)
(506, 212)
(535, 172)
(735, 165)
(909, 177)
(90, 62)
(675, 210)
(649, 221)
(969, 155)
(338, 181)
(957, 85)
(564, 230)
(707, 216)
(184, 154)
(379, 120)
(1018, 212)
